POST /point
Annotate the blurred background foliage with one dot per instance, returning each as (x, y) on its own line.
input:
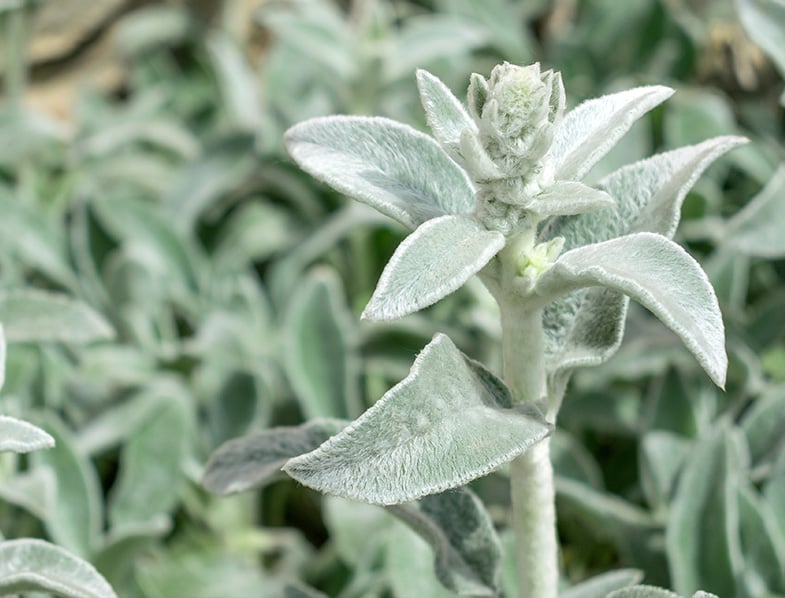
(142, 172)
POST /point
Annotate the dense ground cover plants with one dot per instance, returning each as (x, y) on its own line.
(169, 213)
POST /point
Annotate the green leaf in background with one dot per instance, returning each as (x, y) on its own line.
(588, 132)
(318, 355)
(764, 425)
(461, 533)
(388, 165)
(428, 38)
(76, 517)
(756, 229)
(432, 262)
(151, 467)
(661, 276)
(410, 443)
(21, 437)
(764, 21)
(661, 457)
(36, 566)
(30, 315)
(762, 544)
(702, 542)
(602, 585)
(222, 167)
(256, 459)
(237, 81)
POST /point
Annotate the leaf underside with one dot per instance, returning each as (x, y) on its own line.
(661, 276)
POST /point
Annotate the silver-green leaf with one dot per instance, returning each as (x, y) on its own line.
(446, 116)
(461, 533)
(660, 275)
(642, 591)
(569, 197)
(30, 565)
(388, 165)
(256, 459)
(21, 437)
(427, 434)
(601, 585)
(431, 263)
(588, 132)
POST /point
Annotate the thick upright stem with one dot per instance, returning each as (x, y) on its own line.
(531, 474)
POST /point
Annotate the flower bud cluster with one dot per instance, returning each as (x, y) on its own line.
(515, 111)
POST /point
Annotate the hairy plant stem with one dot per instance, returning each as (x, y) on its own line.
(531, 474)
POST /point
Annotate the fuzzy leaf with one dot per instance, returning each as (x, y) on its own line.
(757, 228)
(586, 327)
(256, 459)
(319, 362)
(702, 544)
(569, 197)
(446, 116)
(588, 132)
(601, 585)
(642, 591)
(32, 315)
(648, 195)
(20, 437)
(661, 456)
(36, 566)
(660, 275)
(431, 263)
(461, 533)
(410, 443)
(388, 165)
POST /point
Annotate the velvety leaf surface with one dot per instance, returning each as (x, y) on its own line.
(32, 315)
(601, 585)
(757, 228)
(390, 166)
(643, 592)
(256, 459)
(570, 197)
(662, 277)
(21, 437)
(431, 263)
(446, 116)
(586, 327)
(589, 131)
(461, 533)
(30, 565)
(319, 361)
(412, 442)
(702, 544)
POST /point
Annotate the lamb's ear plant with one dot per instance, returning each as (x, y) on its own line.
(496, 192)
